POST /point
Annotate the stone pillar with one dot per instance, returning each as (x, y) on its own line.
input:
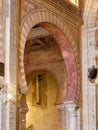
(72, 108)
(7, 122)
(67, 115)
(73, 118)
(88, 88)
(62, 119)
(23, 109)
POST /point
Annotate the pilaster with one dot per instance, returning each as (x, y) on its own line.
(88, 89)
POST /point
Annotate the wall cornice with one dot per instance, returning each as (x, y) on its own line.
(67, 11)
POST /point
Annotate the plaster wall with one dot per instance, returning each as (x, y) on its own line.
(43, 118)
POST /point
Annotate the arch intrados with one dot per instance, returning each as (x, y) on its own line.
(56, 33)
(65, 46)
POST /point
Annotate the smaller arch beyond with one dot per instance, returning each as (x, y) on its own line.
(45, 71)
(49, 20)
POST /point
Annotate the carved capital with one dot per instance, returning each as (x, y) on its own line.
(23, 104)
(67, 105)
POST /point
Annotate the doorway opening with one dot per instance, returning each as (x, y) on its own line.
(45, 75)
(41, 97)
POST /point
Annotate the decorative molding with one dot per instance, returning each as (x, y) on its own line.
(67, 6)
(67, 105)
(89, 14)
(64, 10)
(27, 6)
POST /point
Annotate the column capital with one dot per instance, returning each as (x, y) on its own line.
(91, 29)
(67, 105)
(24, 89)
(23, 105)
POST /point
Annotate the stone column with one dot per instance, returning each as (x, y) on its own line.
(23, 109)
(72, 108)
(62, 119)
(67, 115)
(73, 118)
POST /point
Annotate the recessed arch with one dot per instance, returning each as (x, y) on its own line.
(41, 97)
(66, 42)
(45, 71)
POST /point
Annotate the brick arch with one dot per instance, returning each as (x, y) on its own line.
(55, 76)
(90, 12)
(49, 21)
